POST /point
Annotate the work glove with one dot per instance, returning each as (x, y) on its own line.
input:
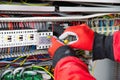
(84, 37)
(54, 45)
(58, 50)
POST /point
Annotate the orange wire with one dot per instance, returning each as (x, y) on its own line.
(8, 50)
(10, 26)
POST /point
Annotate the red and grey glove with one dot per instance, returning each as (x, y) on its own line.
(55, 45)
(58, 50)
(84, 35)
(101, 45)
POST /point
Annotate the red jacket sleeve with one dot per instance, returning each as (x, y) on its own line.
(116, 46)
(72, 68)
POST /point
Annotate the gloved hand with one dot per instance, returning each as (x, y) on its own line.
(84, 35)
(55, 45)
(58, 50)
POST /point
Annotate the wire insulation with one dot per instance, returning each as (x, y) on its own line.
(44, 70)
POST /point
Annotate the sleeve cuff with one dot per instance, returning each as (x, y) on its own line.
(102, 47)
(62, 52)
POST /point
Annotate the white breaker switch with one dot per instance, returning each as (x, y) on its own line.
(43, 40)
(13, 38)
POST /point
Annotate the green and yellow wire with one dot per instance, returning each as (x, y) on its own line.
(93, 68)
(39, 67)
(24, 60)
(25, 2)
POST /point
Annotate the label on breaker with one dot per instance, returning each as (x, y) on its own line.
(13, 38)
(43, 40)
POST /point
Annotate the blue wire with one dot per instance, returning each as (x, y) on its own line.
(11, 50)
(111, 23)
(23, 49)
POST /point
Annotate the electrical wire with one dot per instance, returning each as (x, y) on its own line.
(25, 2)
(8, 50)
(93, 68)
(10, 1)
(6, 2)
(24, 60)
(44, 59)
(2, 2)
(44, 70)
(5, 72)
(14, 61)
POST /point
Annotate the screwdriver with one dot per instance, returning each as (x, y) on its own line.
(67, 39)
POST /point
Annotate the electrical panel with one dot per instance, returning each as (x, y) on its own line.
(26, 30)
(23, 38)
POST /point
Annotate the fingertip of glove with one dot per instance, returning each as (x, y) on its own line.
(54, 38)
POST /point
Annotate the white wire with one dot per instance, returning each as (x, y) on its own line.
(70, 18)
(17, 70)
(30, 72)
(8, 62)
(7, 71)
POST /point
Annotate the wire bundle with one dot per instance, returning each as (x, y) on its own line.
(26, 73)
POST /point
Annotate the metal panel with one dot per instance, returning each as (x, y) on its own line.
(104, 70)
(89, 9)
(27, 8)
(95, 1)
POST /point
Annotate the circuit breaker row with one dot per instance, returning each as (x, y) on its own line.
(15, 43)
